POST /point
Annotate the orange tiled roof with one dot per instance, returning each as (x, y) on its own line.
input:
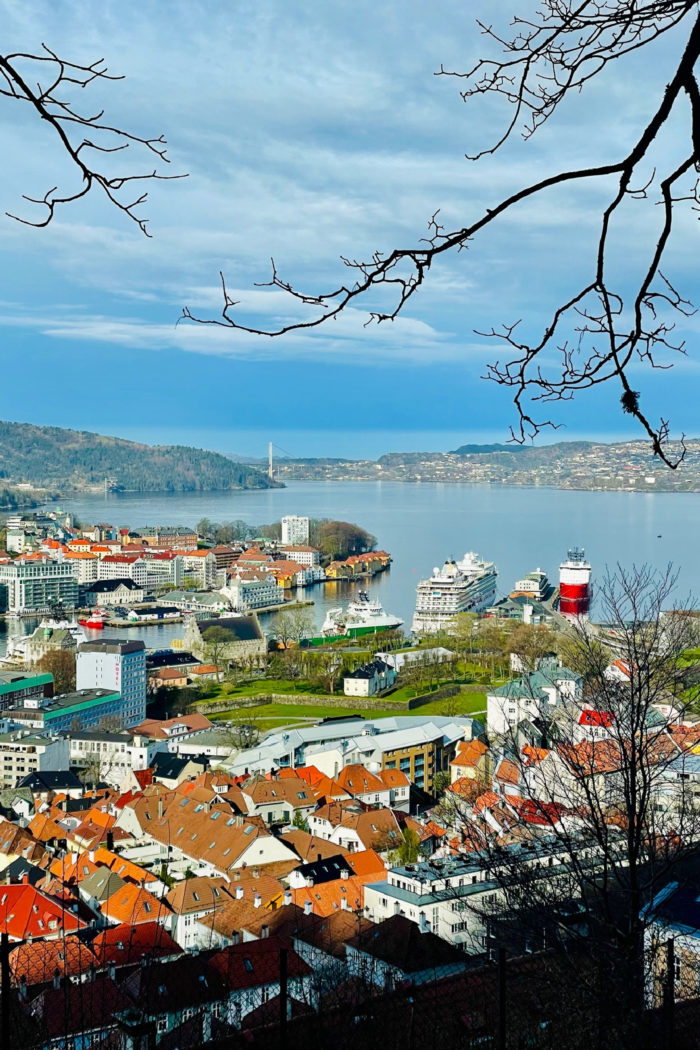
(131, 904)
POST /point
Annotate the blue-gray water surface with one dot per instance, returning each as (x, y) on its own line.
(520, 529)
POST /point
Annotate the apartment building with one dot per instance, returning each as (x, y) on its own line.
(34, 584)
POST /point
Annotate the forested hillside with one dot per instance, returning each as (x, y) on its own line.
(76, 459)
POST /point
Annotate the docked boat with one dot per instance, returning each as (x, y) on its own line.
(468, 585)
(364, 615)
(95, 621)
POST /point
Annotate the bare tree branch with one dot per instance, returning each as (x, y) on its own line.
(599, 332)
(69, 124)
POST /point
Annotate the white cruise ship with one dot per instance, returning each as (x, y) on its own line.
(468, 585)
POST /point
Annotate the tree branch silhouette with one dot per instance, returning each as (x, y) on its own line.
(73, 128)
(599, 332)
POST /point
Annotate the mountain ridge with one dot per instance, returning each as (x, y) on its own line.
(79, 460)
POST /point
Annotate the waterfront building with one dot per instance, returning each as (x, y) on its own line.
(121, 567)
(465, 586)
(249, 590)
(295, 530)
(35, 584)
(113, 592)
(304, 555)
(119, 666)
(533, 585)
(83, 563)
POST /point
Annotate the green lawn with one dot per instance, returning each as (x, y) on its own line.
(271, 715)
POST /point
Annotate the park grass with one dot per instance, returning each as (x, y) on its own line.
(288, 714)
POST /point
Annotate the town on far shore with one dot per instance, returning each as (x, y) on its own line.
(352, 799)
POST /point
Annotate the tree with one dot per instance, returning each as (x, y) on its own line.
(44, 82)
(61, 664)
(301, 624)
(216, 641)
(407, 852)
(299, 821)
(612, 802)
(530, 642)
(601, 330)
(324, 667)
(441, 781)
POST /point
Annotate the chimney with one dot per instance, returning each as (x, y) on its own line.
(424, 925)
(287, 896)
(160, 808)
(56, 979)
(307, 907)
(319, 858)
(235, 936)
(265, 930)
(309, 881)
(239, 892)
(112, 971)
(23, 987)
(344, 873)
(256, 873)
(257, 900)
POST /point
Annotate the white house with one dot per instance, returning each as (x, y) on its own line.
(370, 679)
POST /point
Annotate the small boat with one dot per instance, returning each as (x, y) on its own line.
(95, 621)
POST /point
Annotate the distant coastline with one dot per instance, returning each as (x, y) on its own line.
(576, 465)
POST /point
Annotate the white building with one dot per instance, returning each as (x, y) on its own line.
(111, 756)
(534, 695)
(295, 530)
(118, 666)
(369, 679)
(201, 566)
(83, 564)
(303, 555)
(35, 584)
(123, 567)
(23, 752)
(248, 590)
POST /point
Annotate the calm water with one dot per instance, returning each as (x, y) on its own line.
(422, 524)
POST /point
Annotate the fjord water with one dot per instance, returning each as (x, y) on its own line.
(519, 529)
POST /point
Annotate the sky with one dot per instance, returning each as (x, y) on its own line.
(309, 132)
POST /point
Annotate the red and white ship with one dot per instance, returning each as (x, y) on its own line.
(575, 585)
(95, 621)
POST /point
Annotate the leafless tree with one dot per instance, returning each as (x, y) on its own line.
(611, 800)
(46, 82)
(600, 330)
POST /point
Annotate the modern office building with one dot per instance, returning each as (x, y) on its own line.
(119, 667)
(34, 585)
(84, 709)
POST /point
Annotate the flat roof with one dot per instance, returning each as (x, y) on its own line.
(111, 645)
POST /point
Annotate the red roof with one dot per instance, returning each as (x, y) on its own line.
(27, 912)
(596, 718)
(129, 943)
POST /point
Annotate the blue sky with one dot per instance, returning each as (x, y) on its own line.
(309, 131)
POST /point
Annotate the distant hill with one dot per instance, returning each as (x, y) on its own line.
(75, 460)
(482, 450)
(532, 453)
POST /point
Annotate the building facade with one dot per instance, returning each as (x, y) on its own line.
(295, 530)
(117, 666)
(34, 585)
